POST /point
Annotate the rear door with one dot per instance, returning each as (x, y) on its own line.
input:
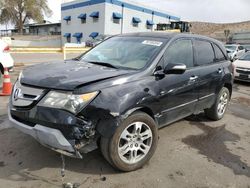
(210, 71)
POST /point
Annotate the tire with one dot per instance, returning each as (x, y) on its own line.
(218, 110)
(141, 144)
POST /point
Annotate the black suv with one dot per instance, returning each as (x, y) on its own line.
(117, 95)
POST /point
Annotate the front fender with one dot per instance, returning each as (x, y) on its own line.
(115, 104)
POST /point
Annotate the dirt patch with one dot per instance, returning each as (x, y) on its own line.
(2, 164)
(211, 143)
(241, 100)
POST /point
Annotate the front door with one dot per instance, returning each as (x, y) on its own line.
(178, 92)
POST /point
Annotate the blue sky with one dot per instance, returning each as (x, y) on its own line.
(219, 11)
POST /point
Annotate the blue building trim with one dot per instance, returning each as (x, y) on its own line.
(150, 23)
(120, 3)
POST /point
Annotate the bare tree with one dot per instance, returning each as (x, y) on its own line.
(19, 12)
(227, 33)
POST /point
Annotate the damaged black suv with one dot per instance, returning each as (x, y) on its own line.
(117, 95)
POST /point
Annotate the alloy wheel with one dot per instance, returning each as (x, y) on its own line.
(135, 142)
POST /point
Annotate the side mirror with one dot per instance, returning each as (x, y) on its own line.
(175, 68)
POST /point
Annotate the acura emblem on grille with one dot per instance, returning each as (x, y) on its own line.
(17, 94)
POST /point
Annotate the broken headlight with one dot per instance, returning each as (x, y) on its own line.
(67, 101)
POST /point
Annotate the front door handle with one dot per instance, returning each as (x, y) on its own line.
(220, 71)
(193, 78)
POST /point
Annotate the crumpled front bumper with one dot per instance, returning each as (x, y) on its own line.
(49, 137)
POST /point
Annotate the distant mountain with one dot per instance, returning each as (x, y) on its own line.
(217, 30)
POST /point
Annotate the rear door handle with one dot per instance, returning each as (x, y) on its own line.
(193, 78)
(220, 71)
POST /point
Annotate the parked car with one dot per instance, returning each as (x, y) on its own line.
(242, 68)
(235, 51)
(96, 41)
(6, 61)
(118, 94)
(246, 46)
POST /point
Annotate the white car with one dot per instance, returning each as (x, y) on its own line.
(6, 61)
(242, 68)
(235, 51)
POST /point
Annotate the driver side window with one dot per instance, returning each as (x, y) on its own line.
(180, 52)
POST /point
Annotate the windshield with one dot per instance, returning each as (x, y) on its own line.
(125, 52)
(245, 57)
(230, 47)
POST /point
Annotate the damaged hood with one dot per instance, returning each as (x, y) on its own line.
(67, 75)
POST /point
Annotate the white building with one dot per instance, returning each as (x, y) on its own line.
(82, 19)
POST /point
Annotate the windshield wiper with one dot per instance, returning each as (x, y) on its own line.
(103, 64)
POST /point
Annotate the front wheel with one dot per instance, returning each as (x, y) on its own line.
(133, 143)
(218, 110)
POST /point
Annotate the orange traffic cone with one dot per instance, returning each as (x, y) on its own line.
(7, 86)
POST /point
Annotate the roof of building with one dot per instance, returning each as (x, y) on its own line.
(124, 3)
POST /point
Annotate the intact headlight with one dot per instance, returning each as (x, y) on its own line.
(67, 101)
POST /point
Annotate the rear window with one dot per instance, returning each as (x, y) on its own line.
(219, 55)
(204, 52)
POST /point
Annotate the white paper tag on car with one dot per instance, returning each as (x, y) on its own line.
(152, 43)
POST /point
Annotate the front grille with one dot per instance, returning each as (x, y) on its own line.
(243, 71)
(24, 96)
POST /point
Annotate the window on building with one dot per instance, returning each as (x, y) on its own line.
(150, 27)
(83, 21)
(93, 35)
(78, 40)
(204, 52)
(149, 24)
(117, 17)
(67, 19)
(78, 37)
(68, 37)
(95, 16)
(116, 21)
(83, 18)
(136, 21)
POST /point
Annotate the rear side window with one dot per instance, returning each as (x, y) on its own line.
(219, 55)
(180, 52)
(204, 52)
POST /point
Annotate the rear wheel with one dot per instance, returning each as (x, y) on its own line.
(133, 143)
(218, 110)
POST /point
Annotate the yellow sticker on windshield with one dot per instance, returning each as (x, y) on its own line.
(152, 43)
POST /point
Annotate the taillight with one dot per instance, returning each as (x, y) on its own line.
(6, 49)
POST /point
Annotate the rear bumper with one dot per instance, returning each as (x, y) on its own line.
(51, 138)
